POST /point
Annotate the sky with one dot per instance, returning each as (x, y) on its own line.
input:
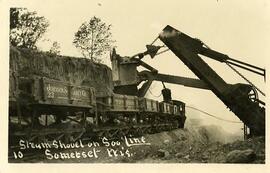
(240, 29)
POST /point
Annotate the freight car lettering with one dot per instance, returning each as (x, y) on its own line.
(79, 93)
(54, 91)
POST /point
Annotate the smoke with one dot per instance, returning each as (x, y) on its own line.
(211, 129)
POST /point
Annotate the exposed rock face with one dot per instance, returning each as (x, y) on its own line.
(77, 71)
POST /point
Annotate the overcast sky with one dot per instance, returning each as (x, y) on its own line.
(239, 28)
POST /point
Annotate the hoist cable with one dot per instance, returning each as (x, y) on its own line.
(154, 94)
(206, 113)
(245, 79)
(154, 41)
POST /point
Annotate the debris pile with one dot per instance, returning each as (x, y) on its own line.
(195, 147)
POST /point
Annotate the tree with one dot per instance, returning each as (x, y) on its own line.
(55, 49)
(93, 39)
(26, 28)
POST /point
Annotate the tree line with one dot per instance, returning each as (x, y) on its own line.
(93, 38)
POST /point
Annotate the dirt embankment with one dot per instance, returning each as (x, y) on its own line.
(77, 71)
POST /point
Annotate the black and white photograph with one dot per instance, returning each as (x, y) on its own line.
(172, 83)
